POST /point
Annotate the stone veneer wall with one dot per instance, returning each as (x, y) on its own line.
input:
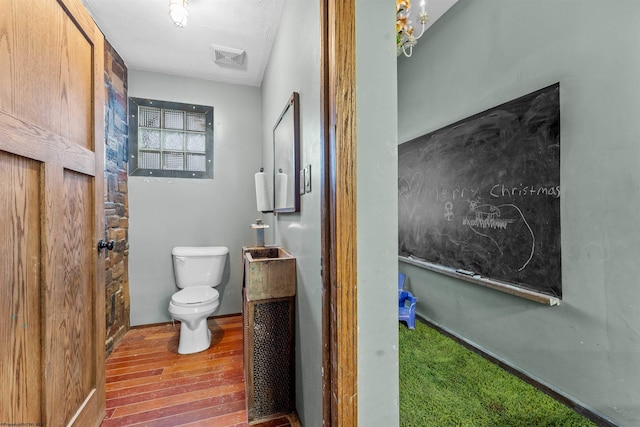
(116, 201)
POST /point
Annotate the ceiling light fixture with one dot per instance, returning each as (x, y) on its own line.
(405, 40)
(178, 11)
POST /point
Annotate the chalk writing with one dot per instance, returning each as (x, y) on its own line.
(448, 211)
(488, 222)
(448, 194)
(501, 190)
(490, 219)
(486, 216)
(410, 192)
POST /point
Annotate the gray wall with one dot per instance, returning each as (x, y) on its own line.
(168, 212)
(483, 53)
(295, 66)
(376, 110)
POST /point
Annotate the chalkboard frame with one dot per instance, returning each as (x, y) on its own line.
(514, 287)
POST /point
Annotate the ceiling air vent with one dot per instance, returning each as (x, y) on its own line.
(228, 56)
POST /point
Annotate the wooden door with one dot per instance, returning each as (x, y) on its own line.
(51, 215)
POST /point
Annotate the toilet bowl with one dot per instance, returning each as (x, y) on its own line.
(197, 271)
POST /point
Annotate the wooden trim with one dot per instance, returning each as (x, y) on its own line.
(80, 16)
(51, 218)
(325, 226)
(339, 252)
(99, 222)
(44, 145)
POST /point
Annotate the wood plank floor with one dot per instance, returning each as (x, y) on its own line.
(150, 384)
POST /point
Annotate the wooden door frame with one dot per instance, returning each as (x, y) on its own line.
(338, 214)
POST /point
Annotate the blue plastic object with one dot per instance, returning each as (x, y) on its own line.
(406, 304)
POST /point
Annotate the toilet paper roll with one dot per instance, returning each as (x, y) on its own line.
(280, 190)
(262, 193)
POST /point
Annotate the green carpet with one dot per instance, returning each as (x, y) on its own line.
(444, 384)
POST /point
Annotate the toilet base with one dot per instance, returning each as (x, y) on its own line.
(194, 340)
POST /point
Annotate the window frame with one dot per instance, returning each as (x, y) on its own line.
(135, 170)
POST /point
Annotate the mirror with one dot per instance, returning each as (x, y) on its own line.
(286, 158)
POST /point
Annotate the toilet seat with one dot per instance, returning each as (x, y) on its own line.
(188, 297)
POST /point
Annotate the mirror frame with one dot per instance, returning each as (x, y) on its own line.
(286, 152)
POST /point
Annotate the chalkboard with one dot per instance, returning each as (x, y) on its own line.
(481, 197)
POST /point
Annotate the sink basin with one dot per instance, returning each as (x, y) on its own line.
(266, 252)
(269, 272)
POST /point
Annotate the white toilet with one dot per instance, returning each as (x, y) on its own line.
(198, 270)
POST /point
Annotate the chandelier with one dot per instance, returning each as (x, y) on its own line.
(405, 37)
(178, 11)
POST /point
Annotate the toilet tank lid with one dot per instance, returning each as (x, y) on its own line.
(199, 251)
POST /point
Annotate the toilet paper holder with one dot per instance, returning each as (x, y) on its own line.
(259, 226)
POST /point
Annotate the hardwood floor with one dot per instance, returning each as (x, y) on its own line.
(150, 384)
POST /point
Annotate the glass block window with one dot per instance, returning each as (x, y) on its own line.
(170, 139)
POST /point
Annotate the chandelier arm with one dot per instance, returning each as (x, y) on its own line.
(424, 27)
(405, 37)
(408, 55)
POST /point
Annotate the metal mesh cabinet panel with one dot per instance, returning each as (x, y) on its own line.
(269, 358)
(268, 289)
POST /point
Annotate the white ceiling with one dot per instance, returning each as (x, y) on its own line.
(145, 37)
(435, 9)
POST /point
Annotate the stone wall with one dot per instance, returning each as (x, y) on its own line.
(116, 202)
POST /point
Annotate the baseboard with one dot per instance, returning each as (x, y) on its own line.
(222, 316)
(170, 322)
(558, 395)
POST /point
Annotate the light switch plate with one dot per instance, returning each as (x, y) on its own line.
(307, 179)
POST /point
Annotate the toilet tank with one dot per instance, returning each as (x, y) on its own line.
(199, 266)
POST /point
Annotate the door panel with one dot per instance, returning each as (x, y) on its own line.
(51, 214)
(69, 301)
(47, 62)
(19, 289)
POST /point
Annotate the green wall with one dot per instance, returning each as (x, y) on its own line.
(486, 52)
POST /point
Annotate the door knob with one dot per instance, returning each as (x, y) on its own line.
(103, 244)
